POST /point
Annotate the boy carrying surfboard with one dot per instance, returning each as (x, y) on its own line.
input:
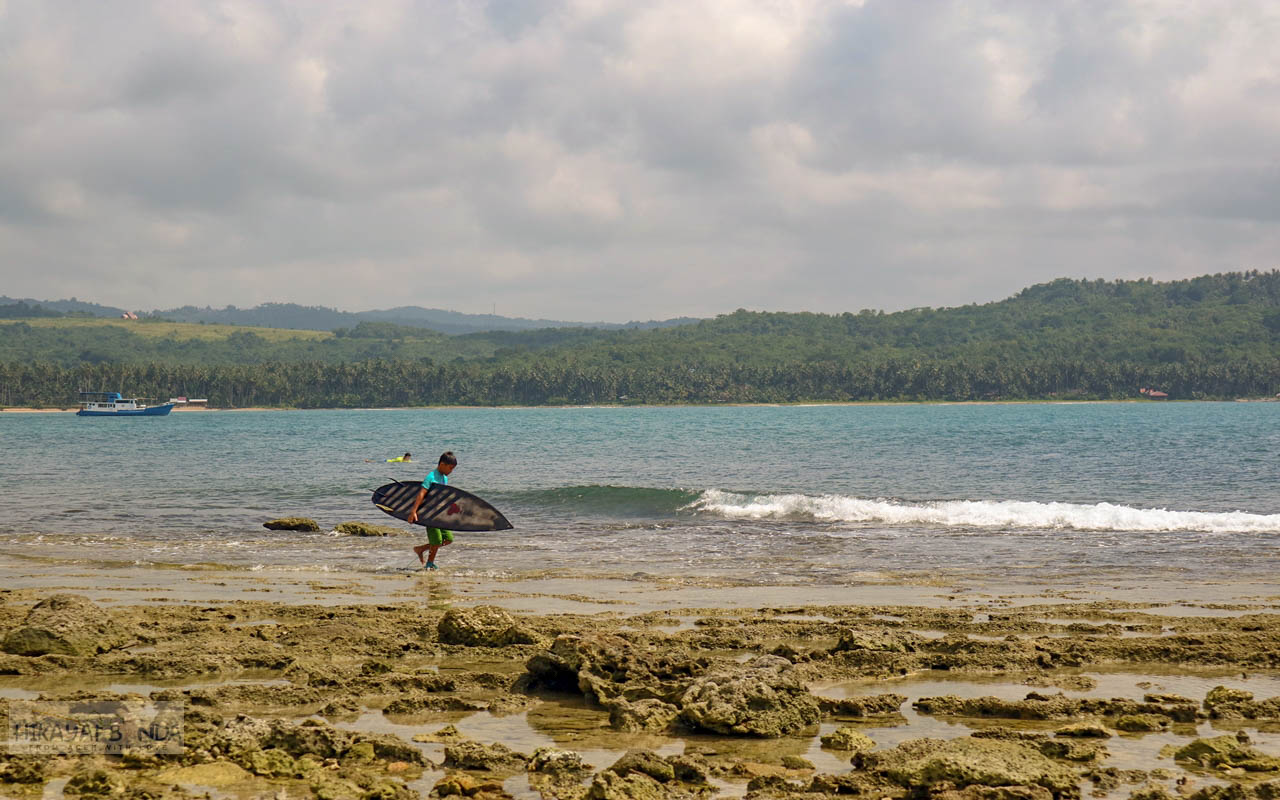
(436, 538)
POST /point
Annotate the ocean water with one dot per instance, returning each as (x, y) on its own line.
(825, 494)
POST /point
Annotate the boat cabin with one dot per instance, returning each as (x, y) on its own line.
(106, 401)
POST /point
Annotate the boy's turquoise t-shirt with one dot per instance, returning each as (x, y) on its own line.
(435, 476)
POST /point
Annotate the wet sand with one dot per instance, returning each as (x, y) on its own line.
(396, 686)
(532, 591)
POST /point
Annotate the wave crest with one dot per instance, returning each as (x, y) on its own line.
(978, 513)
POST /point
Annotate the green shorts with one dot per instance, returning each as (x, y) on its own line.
(437, 537)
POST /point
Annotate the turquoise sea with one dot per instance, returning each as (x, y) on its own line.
(767, 494)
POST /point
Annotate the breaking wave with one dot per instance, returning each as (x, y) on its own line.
(977, 513)
(627, 502)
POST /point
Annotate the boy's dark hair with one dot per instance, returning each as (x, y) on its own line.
(406, 455)
(449, 458)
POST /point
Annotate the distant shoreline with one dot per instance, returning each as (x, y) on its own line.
(816, 404)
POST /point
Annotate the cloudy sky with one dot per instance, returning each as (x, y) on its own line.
(615, 159)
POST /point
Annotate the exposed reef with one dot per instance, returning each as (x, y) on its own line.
(400, 701)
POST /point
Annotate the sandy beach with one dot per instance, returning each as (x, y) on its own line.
(333, 685)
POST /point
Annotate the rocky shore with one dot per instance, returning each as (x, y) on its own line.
(397, 700)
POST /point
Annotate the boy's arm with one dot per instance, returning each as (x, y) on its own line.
(417, 501)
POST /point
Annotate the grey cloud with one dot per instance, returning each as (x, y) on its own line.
(611, 159)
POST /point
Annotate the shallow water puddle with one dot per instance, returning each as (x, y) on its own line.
(1119, 682)
(1125, 750)
(803, 618)
(1183, 610)
(377, 722)
(1110, 628)
(1109, 632)
(665, 625)
(572, 724)
(927, 685)
(677, 624)
(916, 726)
(726, 790)
(568, 724)
(1163, 632)
(565, 724)
(1083, 622)
(250, 789)
(1191, 683)
(29, 688)
(934, 633)
(17, 693)
(448, 664)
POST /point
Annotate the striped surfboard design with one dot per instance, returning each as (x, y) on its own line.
(443, 507)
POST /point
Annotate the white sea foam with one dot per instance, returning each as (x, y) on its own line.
(986, 514)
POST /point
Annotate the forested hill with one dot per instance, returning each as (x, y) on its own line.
(1212, 336)
(1223, 317)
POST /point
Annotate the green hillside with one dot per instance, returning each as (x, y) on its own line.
(1221, 317)
(1212, 336)
(68, 341)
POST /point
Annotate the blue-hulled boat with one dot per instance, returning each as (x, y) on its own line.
(113, 404)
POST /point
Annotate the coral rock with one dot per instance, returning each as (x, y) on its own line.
(65, 624)
(299, 524)
(763, 698)
(482, 626)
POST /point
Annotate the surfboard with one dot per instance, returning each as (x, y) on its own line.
(443, 507)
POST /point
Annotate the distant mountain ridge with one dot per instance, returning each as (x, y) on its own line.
(320, 318)
(72, 306)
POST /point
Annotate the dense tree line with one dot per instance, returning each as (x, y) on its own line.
(403, 383)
